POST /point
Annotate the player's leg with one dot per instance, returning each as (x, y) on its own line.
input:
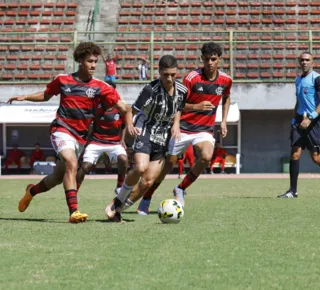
(203, 144)
(117, 154)
(141, 161)
(44, 185)
(90, 157)
(180, 167)
(134, 196)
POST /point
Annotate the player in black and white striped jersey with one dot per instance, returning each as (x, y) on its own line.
(161, 103)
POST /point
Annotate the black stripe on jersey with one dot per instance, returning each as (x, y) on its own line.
(80, 91)
(75, 114)
(93, 138)
(195, 127)
(82, 134)
(111, 117)
(209, 89)
(104, 131)
(206, 113)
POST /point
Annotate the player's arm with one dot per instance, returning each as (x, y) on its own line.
(37, 97)
(225, 110)
(175, 130)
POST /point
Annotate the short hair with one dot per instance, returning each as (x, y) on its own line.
(306, 52)
(37, 144)
(168, 61)
(111, 83)
(84, 49)
(211, 48)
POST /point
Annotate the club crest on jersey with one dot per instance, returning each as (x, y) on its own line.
(219, 91)
(90, 93)
(139, 145)
(116, 117)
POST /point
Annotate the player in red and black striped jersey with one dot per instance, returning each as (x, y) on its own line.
(68, 132)
(207, 86)
(106, 137)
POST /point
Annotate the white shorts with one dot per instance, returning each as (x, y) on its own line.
(61, 141)
(93, 151)
(179, 147)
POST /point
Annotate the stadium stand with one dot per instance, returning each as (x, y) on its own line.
(37, 37)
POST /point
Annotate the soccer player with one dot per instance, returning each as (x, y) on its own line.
(68, 132)
(207, 86)
(305, 125)
(107, 137)
(219, 156)
(189, 156)
(161, 102)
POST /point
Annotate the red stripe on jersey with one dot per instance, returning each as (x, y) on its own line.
(107, 127)
(201, 89)
(77, 101)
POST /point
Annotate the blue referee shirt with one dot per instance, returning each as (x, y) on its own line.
(307, 90)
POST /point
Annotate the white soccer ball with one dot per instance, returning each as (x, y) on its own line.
(170, 211)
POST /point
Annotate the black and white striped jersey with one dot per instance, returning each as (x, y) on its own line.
(159, 109)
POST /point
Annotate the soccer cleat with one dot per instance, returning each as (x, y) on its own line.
(118, 218)
(143, 208)
(78, 217)
(179, 194)
(288, 194)
(117, 190)
(179, 176)
(25, 201)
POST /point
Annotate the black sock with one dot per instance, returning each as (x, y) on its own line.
(294, 172)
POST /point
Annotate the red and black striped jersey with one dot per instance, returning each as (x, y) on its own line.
(107, 126)
(77, 102)
(201, 89)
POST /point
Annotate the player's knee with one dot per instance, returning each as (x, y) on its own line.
(123, 159)
(140, 169)
(71, 164)
(86, 167)
(316, 159)
(146, 182)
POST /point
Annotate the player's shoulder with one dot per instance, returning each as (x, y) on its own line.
(62, 77)
(224, 76)
(181, 87)
(193, 74)
(101, 83)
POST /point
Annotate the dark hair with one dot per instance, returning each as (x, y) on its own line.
(84, 49)
(211, 48)
(37, 144)
(306, 52)
(167, 61)
(111, 83)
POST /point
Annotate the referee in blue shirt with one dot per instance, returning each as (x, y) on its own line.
(305, 129)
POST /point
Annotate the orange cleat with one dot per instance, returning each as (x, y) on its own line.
(25, 201)
(78, 217)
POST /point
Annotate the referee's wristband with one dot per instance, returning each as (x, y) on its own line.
(313, 115)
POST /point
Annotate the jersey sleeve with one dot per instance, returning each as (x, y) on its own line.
(228, 89)
(144, 98)
(189, 85)
(109, 96)
(317, 85)
(183, 103)
(54, 87)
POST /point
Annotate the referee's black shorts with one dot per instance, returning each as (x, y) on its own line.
(309, 138)
(143, 144)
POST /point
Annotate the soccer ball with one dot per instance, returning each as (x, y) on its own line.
(170, 211)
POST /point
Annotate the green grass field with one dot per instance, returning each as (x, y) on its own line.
(235, 235)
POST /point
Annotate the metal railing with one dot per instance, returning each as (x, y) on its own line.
(235, 43)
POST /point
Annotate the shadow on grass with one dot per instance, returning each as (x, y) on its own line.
(250, 197)
(34, 220)
(134, 212)
(109, 221)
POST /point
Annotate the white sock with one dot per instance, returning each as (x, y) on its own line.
(127, 204)
(124, 192)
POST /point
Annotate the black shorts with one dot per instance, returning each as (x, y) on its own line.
(309, 138)
(143, 144)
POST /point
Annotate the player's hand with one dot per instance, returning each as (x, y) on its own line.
(175, 132)
(305, 123)
(123, 144)
(205, 106)
(16, 98)
(223, 129)
(133, 131)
